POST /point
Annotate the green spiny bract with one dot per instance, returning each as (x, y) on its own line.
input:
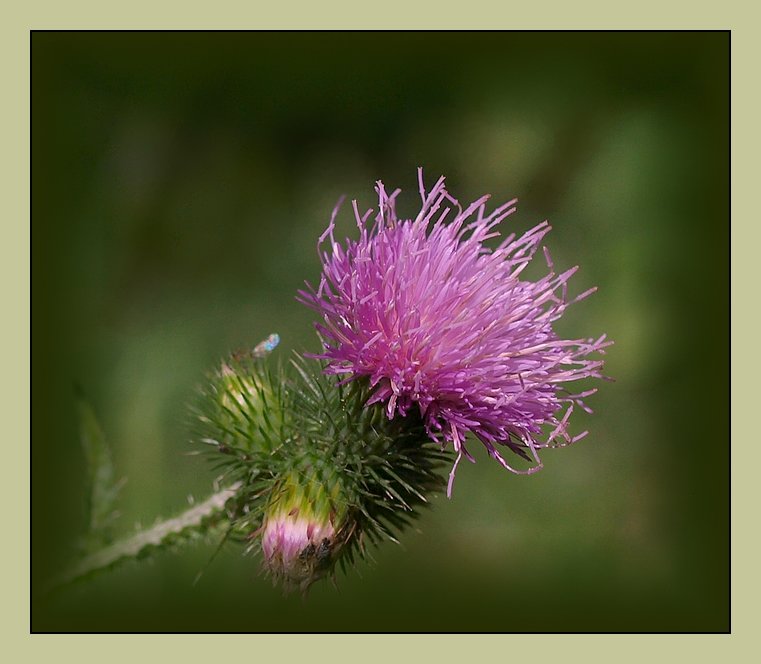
(321, 474)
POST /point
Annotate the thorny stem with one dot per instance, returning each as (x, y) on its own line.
(141, 542)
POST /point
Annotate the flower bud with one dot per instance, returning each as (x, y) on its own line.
(300, 539)
(246, 407)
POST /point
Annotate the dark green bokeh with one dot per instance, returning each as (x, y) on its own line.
(180, 182)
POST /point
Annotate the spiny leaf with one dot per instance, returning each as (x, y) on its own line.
(103, 487)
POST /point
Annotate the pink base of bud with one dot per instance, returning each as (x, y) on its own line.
(296, 549)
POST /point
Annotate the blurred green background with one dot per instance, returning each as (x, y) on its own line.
(180, 182)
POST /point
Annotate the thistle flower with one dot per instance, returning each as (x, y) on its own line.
(440, 323)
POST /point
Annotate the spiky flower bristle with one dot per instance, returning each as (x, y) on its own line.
(321, 474)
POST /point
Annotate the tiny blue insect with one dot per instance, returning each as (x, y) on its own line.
(267, 346)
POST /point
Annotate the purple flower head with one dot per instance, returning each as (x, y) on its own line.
(440, 322)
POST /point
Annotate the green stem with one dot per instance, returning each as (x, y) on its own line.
(196, 519)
